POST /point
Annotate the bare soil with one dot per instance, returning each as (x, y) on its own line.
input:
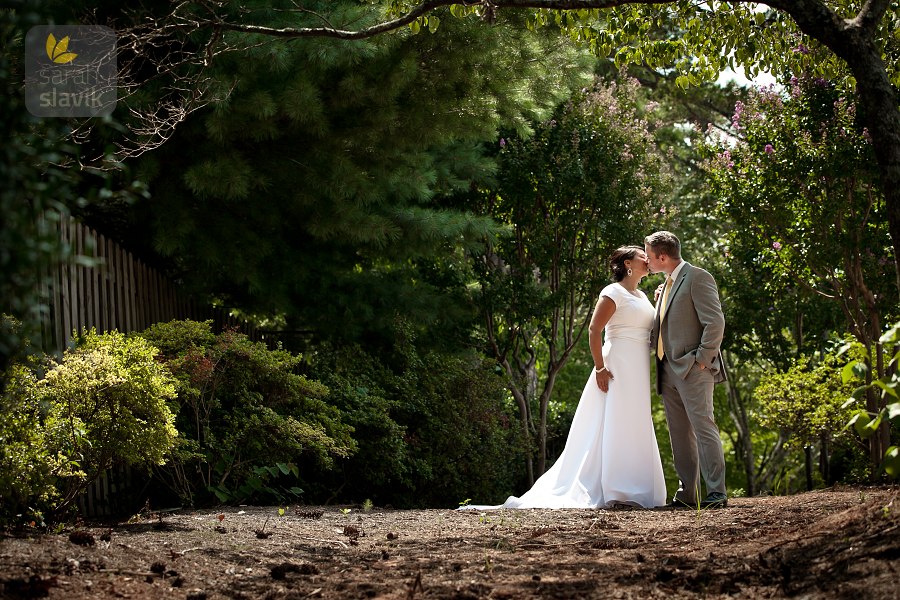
(836, 543)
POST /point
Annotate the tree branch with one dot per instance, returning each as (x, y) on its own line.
(342, 34)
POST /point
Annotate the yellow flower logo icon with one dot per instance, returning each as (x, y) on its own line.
(58, 51)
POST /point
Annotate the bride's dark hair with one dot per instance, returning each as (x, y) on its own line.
(618, 258)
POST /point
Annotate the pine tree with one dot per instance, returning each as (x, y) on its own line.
(309, 187)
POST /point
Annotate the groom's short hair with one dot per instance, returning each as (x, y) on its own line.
(664, 242)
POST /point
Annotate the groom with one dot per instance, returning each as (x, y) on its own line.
(686, 337)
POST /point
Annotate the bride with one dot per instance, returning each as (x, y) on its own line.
(611, 456)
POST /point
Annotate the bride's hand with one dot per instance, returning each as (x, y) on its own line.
(659, 290)
(603, 378)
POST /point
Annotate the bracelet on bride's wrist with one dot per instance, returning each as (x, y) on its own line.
(600, 370)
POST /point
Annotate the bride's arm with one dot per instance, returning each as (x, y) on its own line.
(603, 312)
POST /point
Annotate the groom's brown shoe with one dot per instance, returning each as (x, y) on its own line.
(714, 500)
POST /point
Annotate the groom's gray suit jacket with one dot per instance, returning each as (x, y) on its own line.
(693, 326)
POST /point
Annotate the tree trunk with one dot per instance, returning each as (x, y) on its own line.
(884, 430)
(744, 446)
(807, 451)
(524, 418)
(546, 394)
(824, 460)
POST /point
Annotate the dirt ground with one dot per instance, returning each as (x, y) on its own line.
(837, 543)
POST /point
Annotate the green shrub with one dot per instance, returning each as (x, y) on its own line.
(887, 386)
(28, 469)
(462, 432)
(26, 486)
(106, 405)
(808, 403)
(432, 429)
(249, 423)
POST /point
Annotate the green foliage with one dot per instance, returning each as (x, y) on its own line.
(865, 423)
(106, 405)
(240, 409)
(260, 484)
(800, 181)
(309, 186)
(585, 183)
(30, 197)
(700, 41)
(431, 426)
(807, 401)
(28, 468)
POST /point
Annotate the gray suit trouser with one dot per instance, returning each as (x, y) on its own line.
(696, 445)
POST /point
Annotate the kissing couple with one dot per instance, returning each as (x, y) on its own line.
(611, 456)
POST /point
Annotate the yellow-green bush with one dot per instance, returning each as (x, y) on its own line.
(107, 405)
(65, 423)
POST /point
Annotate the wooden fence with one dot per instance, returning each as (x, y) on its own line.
(112, 289)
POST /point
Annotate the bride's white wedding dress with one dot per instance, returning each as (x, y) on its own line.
(611, 455)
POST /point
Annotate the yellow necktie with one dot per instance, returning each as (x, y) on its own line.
(662, 313)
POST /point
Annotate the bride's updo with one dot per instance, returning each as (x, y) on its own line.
(618, 258)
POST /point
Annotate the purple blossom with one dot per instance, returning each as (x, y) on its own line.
(769, 149)
(736, 119)
(725, 157)
(502, 143)
(662, 210)
(776, 246)
(801, 49)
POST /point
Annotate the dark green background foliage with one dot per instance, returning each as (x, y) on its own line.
(33, 185)
(434, 429)
(321, 164)
(241, 406)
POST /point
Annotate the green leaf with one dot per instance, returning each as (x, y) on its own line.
(433, 23)
(415, 27)
(853, 370)
(859, 422)
(889, 387)
(868, 429)
(892, 335)
(220, 493)
(295, 490)
(891, 462)
(283, 467)
(893, 410)
(843, 349)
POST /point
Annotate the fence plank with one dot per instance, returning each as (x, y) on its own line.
(118, 292)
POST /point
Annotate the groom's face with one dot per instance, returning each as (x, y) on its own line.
(656, 263)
